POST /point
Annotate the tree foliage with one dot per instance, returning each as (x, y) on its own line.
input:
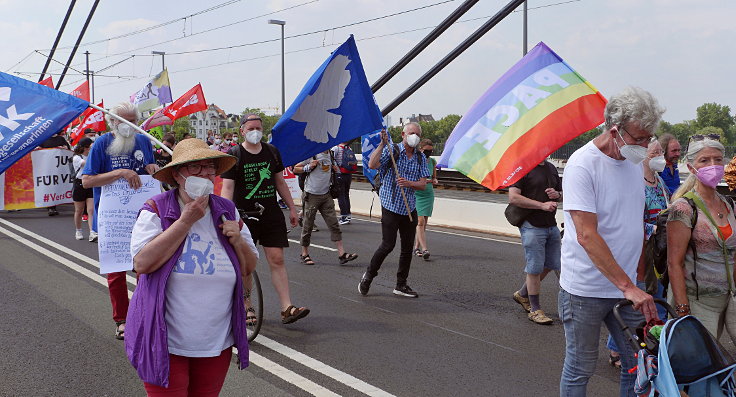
(437, 131)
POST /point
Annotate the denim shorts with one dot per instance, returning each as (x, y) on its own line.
(541, 248)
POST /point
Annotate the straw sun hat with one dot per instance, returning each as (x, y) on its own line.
(190, 150)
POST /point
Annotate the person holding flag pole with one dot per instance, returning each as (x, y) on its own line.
(121, 154)
(408, 170)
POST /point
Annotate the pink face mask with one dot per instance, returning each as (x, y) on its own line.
(710, 175)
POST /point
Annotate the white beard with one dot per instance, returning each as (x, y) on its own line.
(121, 145)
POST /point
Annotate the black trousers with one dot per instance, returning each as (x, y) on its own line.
(344, 199)
(391, 223)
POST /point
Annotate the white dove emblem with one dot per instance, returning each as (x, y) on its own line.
(315, 109)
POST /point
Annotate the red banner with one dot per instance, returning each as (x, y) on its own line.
(93, 119)
(48, 82)
(191, 102)
(82, 92)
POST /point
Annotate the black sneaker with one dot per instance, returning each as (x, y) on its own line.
(365, 284)
(405, 290)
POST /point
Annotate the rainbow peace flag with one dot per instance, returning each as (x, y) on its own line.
(540, 104)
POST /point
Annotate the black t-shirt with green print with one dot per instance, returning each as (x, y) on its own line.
(254, 176)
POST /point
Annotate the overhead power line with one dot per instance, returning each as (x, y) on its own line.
(227, 3)
(309, 33)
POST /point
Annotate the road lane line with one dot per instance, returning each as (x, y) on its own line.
(324, 369)
(470, 336)
(315, 246)
(289, 375)
(290, 353)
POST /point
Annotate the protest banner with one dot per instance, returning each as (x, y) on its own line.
(118, 210)
(292, 183)
(38, 180)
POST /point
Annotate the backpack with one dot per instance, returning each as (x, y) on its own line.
(72, 171)
(302, 178)
(348, 164)
(656, 246)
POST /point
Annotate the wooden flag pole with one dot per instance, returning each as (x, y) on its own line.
(396, 170)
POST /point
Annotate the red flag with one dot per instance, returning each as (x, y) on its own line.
(93, 119)
(191, 102)
(82, 92)
(157, 119)
(48, 82)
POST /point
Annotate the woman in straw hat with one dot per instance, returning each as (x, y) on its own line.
(187, 311)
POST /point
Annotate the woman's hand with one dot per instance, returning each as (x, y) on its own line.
(194, 210)
(231, 230)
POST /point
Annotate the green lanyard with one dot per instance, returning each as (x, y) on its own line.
(699, 203)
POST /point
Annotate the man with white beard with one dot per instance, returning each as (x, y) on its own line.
(122, 153)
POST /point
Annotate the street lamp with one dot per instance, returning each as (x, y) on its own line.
(283, 78)
(163, 55)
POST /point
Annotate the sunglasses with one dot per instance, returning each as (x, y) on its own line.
(701, 137)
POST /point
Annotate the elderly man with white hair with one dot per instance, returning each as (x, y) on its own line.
(603, 203)
(122, 153)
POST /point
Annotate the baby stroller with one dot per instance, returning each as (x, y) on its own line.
(683, 360)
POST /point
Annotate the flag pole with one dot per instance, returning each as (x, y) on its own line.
(396, 170)
(139, 129)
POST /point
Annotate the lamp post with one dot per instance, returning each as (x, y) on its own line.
(283, 78)
(163, 56)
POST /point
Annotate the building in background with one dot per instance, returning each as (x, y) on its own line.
(213, 119)
(415, 119)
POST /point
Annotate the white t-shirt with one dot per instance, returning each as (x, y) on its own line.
(199, 292)
(78, 162)
(614, 191)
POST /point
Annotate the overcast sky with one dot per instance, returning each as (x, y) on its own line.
(680, 50)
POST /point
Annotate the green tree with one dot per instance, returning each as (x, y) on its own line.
(715, 115)
(180, 127)
(683, 130)
(585, 137)
(268, 121)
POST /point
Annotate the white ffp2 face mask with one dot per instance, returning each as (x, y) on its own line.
(196, 186)
(253, 136)
(657, 164)
(634, 153)
(125, 130)
(413, 140)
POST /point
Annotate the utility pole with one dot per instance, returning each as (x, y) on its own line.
(525, 40)
(92, 88)
(86, 54)
(283, 76)
(163, 58)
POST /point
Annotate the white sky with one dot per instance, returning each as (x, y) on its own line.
(680, 50)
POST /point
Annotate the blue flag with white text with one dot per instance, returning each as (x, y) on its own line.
(30, 113)
(336, 105)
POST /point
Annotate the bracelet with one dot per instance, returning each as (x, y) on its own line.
(682, 308)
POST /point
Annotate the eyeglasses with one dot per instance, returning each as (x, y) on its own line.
(639, 141)
(701, 137)
(196, 168)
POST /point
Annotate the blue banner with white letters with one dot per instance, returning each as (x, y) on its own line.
(335, 106)
(30, 113)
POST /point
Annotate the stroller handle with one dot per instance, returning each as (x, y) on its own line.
(633, 339)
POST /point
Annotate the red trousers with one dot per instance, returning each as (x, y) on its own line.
(118, 288)
(194, 376)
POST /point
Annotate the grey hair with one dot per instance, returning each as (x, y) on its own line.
(633, 105)
(122, 108)
(414, 123)
(693, 149)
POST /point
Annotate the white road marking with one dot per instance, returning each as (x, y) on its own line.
(260, 361)
(316, 246)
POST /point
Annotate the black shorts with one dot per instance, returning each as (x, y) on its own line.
(79, 193)
(270, 230)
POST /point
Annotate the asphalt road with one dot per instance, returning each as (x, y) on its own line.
(464, 335)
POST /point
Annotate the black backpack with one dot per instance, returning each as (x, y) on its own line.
(302, 178)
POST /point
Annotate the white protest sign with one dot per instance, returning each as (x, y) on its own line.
(292, 183)
(118, 210)
(52, 181)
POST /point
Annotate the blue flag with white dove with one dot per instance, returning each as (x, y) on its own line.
(336, 105)
(30, 113)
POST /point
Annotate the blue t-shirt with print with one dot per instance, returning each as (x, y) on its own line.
(99, 162)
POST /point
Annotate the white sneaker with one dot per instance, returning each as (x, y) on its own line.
(78, 235)
(92, 237)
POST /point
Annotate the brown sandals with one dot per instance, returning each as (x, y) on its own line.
(293, 313)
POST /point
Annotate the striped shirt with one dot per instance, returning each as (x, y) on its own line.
(411, 169)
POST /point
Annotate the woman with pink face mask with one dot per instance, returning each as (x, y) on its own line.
(701, 241)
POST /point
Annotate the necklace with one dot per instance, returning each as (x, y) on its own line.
(650, 182)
